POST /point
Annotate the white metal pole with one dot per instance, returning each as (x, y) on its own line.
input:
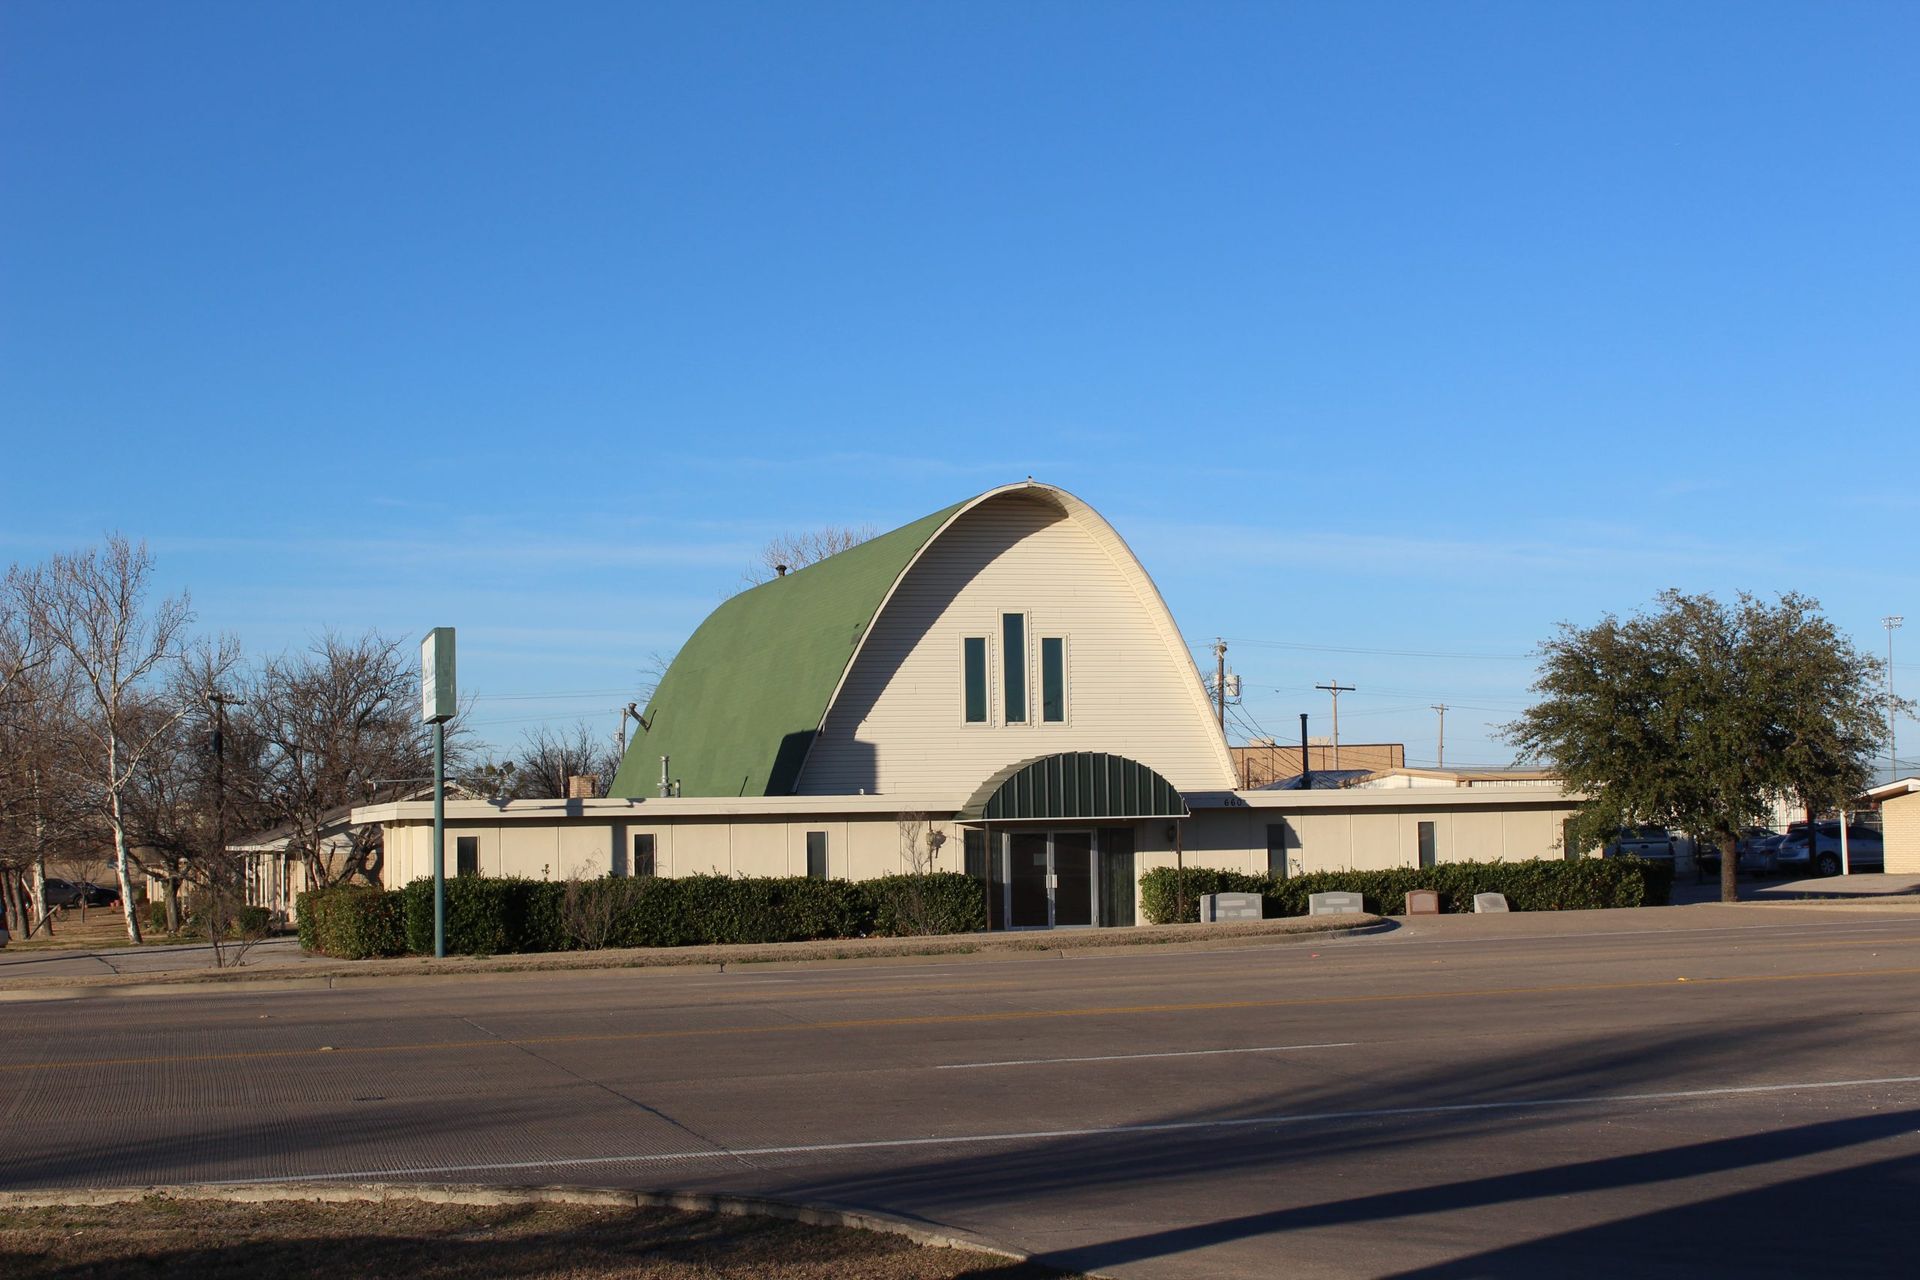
(1891, 622)
(1846, 863)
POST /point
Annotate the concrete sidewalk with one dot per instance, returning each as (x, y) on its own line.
(82, 962)
(1886, 889)
(280, 962)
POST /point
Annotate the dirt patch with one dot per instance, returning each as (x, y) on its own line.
(209, 1240)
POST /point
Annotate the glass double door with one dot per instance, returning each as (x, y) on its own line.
(1049, 879)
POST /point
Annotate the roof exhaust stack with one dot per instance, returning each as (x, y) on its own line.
(666, 786)
(780, 571)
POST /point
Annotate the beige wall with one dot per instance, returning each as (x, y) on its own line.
(897, 726)
(864, 846)
(858, 848)
(1900, 819)
(1375, 837)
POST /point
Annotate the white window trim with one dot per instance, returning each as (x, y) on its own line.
(1026, 634)
(1066, 681)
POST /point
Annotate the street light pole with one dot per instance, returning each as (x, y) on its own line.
(1892, 623)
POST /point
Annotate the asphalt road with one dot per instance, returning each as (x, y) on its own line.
(1690, 1091)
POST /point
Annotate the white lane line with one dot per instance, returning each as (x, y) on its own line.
(1130, 1057)
(1042, 1135)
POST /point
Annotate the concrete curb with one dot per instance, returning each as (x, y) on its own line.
(478, 1194)
(757, 961)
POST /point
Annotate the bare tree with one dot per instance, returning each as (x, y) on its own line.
(200, 781)
(588, 910)
(548, 757)
(920, 845)
(43, 810)
(94, 607)
(791, 551)
(334, 721)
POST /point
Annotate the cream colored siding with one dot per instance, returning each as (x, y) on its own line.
(897, 724)
(1900, 817)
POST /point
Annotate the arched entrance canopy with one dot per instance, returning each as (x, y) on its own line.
(1074, 785)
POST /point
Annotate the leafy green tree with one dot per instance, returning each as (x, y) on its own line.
(1696, 715)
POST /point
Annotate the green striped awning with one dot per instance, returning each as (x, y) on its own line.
(1074, 784)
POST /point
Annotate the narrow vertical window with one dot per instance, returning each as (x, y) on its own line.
(1013, 664)
(1053, 680)
(466, 855)
(1426, 845)
(1277, 834)
(816, 855)
(974, 660)
(643, 854)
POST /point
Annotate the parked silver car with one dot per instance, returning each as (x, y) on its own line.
(1866, 850)
(1641, 842)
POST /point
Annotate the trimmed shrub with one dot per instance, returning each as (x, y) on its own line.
(500, 916)
(1161, 890)
(943, 902)
(1533, 885)
(488, 916)
(351, 922)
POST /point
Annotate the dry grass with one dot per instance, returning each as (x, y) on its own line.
(104, 927)
(208, 1240)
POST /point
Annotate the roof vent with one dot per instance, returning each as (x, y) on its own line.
(780, 570)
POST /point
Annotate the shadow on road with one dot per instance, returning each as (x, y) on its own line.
(1785, 1229)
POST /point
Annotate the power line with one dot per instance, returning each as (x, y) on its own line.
(1383, 653)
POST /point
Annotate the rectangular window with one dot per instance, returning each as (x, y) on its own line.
(1277, 842)
(466, 855)
(1426, 845)
(643, 863)
(1013, 664)
(974, 659)
(1053, 680)
(816, 855)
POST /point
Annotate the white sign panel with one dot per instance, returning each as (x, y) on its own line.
(436, 675)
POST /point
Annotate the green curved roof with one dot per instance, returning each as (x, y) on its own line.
(741, 702)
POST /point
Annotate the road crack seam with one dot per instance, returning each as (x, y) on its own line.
(719, 1148)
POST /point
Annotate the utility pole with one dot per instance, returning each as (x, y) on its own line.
(1336, 689)
(1892, 623)
(219, 702)
(1220, 682)
(1441, 761)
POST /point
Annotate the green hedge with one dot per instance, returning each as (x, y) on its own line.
(352, 922)
(1534, 885)
(487, 916)
(490, 916)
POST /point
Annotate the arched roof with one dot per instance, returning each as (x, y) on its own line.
(1071, 785)
(741, 703)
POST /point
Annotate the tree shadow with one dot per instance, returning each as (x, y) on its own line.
(1276, 1144)
(1388, 1117)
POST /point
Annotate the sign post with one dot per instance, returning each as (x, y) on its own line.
(436, 708)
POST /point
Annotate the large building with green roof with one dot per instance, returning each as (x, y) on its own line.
(996, 688)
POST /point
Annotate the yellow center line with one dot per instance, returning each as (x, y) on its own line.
(945, 1019)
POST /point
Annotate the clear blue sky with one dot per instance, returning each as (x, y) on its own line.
(1386, 327)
